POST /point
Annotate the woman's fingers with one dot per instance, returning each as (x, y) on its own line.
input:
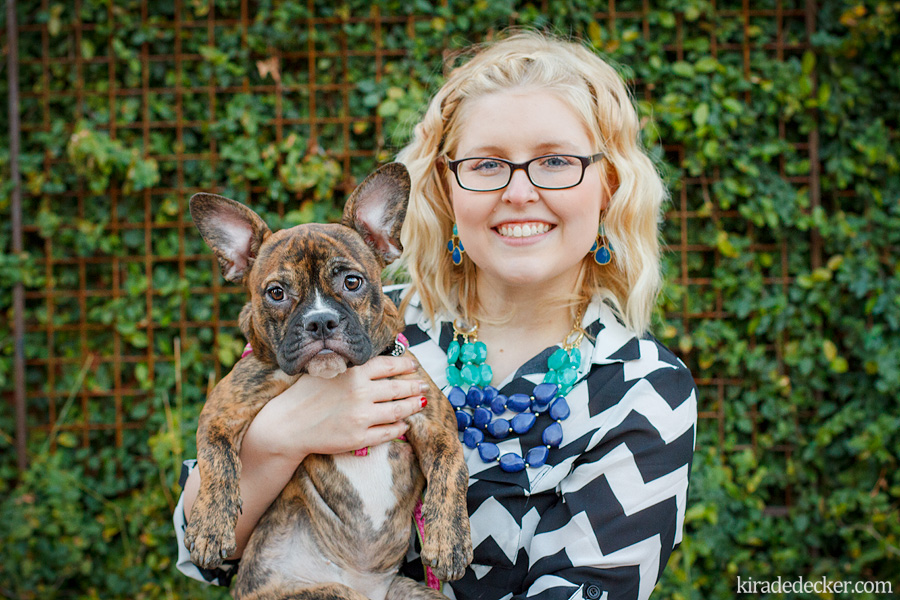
(397, 389)
(385, 433)
(372, 381)
(382, 367)
(397, 410)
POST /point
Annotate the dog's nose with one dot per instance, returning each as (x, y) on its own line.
(321, 323)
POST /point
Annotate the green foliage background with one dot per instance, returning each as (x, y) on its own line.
(783, 293)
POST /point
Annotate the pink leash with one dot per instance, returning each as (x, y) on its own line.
(430, 578)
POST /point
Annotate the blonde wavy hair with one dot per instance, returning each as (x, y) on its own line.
(597, 94)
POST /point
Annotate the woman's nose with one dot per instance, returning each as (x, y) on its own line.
(520, 189)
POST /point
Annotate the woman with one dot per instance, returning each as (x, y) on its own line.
(532, 230)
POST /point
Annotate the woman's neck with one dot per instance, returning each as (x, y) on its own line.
(503, 302)
(519, 323)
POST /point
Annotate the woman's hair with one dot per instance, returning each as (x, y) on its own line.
(597, 94)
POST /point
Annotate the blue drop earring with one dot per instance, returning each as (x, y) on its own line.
(455, 247)
(602, 249)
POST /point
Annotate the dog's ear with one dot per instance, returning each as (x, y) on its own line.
(233, 231)
(376, 210)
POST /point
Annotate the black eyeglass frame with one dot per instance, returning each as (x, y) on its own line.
(586, 161)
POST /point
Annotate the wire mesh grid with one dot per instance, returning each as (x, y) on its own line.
(307, 94)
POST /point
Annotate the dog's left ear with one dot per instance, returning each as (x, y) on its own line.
(376, 210)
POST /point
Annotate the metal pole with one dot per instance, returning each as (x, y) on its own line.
(12, 43)
(815, 186)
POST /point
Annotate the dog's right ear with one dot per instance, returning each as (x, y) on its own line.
(376, 210)
(233, 231)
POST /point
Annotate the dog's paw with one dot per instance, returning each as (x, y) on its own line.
(448, 552)
(210, 541)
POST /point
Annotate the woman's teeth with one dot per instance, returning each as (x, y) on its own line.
(523, 229)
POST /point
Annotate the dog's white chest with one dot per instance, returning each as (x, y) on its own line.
(372, 478)
(295, 558)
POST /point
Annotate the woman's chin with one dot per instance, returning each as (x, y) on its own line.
(525, 276)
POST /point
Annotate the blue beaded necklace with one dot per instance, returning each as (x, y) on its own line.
(477, 406)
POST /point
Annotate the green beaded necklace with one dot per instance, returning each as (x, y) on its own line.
(467, 366)
(478, 410)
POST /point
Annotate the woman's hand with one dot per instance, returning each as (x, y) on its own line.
(358, 408)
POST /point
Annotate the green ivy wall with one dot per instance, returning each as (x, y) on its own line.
(775, 123)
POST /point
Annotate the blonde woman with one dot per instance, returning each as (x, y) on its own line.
(532, 244)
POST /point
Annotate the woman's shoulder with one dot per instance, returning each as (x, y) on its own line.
(413, 315)
(396, 291)
(667, 373)
(638, 360)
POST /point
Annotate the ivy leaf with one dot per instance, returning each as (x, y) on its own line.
(388, 108)
(707, 64)
(67, 439)
(808, 62)
(701, 114)
(683, 69)
(723, 243)
(141, 174)
(54, 23)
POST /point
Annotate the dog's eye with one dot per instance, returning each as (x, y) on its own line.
(275, 293)
(352, 282)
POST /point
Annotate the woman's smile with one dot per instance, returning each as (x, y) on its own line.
(523, 230)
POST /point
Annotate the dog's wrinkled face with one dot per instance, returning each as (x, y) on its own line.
(316, 290)
(316, 302)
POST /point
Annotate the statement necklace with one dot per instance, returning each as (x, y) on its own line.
(477, 405)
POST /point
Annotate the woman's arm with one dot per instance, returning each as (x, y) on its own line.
(264, 473)
(359, 408)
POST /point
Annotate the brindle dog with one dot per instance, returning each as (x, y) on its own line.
(341, 527)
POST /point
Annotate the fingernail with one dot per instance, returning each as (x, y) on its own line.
(423, 401)
(413, 363)
(424, 387)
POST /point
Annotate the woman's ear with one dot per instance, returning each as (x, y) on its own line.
(442, 176)
(609, 183)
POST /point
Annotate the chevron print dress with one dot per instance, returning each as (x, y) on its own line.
(601, 517)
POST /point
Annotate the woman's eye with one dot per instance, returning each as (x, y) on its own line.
(352, 282)
(275, 293)
(556, 162)
(486, 165)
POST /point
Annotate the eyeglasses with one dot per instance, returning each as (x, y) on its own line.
(549, 172)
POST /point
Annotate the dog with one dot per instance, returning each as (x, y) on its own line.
(341, 527)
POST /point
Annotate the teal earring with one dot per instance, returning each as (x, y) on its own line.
(455, 247)
(602, 249)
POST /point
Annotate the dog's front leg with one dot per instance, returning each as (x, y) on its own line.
(228, 411)
(447, 547)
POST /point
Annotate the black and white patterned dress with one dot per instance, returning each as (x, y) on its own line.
(601, 517)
